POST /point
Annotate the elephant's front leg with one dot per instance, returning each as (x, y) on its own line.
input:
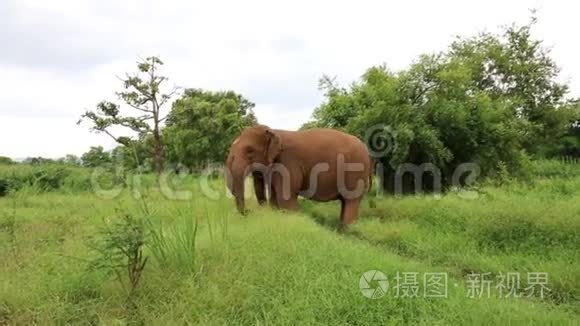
(259, 187)
(273, 200)
(290, 204)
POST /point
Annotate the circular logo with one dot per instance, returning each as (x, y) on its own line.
(381, 140)
(373, 284)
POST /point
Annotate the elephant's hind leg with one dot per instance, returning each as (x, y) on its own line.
(349, 211)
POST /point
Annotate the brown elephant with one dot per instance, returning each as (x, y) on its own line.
(319, 164)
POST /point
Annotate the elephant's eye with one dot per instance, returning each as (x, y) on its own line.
(250, 152)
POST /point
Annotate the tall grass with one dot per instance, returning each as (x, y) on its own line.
(173, 246)
(209, 265)
(516, 227)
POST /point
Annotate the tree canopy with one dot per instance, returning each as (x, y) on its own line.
(95, 156)
(489, 99)
(202, 125)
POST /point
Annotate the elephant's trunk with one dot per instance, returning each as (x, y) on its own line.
(239, 193)
(235, 177)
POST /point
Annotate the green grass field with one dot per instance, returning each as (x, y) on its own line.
(273, 267)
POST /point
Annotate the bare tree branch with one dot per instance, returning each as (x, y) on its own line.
(138, 108)
(110, 135)
(167, 97)
(422, 92)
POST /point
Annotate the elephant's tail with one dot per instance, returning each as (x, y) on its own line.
(371, 175)
(372, 203)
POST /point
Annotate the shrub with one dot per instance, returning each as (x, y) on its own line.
(120, 251)
(47, 177)
(4, 187)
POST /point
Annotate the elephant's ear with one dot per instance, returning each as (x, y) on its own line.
(273, 145)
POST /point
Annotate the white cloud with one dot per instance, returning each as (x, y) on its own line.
(61, 57)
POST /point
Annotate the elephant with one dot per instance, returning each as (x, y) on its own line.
(318, 164)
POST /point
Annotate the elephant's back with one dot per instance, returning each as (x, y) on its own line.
(314, 146)
(334, 141)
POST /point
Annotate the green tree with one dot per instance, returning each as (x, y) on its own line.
(481, 101)
(569, 143)
(39, 160)
(142, 94)
(336, 113)
(70, 159)
(202, 125)
(136, 154)
(517, 68)
(96, 156)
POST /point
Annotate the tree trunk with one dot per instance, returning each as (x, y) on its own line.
(157, 144)
(158, 151)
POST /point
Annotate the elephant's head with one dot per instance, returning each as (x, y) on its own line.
(254, 150)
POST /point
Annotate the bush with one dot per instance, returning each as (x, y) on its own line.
(43, 178)
(4, 187)
(445, 127)
(120, 252)
(50, 178)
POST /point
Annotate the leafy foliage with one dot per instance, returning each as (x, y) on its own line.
(51, 177)
(517, 69)
(569, 143)
(96, 156)
(202, 125)
(490, 99)
(39, 160)
(137, 154)
(70, 159)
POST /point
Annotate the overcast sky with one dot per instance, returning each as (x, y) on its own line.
(61, 57)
